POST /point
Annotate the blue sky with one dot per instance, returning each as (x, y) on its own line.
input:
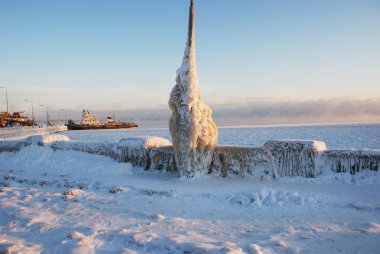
(123, 54)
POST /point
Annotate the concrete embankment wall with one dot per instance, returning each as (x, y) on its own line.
(22, 132)
(275, 159)
(278, 158)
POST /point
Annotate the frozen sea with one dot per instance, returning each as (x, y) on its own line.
(336, 136)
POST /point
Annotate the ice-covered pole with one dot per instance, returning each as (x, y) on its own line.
(194, 134)
(190, 33)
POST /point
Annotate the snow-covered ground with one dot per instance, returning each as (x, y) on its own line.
(72, 202)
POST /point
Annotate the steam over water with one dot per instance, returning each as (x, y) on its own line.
(358, 136)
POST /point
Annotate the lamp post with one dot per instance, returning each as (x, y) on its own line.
(47, 115)
(32, 110)
(6, 95)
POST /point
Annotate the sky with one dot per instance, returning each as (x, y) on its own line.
(123, 54)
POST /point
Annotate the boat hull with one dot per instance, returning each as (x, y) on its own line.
(100, 127)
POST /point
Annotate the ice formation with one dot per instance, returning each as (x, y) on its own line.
(295, 157)
(193, 132)
(277, 158)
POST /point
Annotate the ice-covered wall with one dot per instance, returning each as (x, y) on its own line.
(162, 159)
(243, 161)
(99, 148)
(136, 150)
(194, 133)
(276, 159)
(351, 161)
(295, 157)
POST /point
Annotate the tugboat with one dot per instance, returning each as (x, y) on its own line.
(89, 122)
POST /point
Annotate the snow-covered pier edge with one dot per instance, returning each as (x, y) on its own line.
(277, 158)
(19, 132)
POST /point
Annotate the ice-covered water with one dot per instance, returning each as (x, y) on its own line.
(359, 136)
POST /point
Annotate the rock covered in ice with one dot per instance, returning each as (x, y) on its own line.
(295, 157)
(194, 133)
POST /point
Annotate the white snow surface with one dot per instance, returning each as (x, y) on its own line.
(46, 139)
(308, 144)
(74, 202)
(144, 142)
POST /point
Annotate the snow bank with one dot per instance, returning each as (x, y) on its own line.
(11, 146)
(70, 202)
(22, 132)
(295, 157)
(40, 140)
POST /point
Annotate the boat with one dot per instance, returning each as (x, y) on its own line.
(15, 119)
(90, 122)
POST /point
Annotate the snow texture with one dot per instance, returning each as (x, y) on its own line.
(192, 129)
(73, 202)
